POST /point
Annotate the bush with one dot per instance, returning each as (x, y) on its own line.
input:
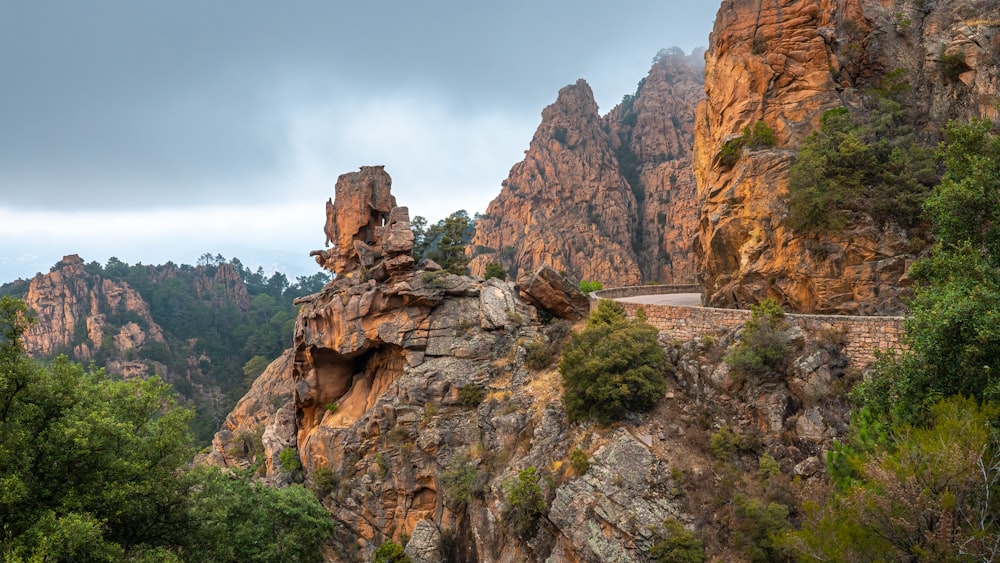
(471, 396)
(390, 552)
(764, 346)
(612, 368)
(289, 459)
(730, 152)
(759, 135)
(458, 480)
(324, 482)
(525, 502)
(495, 270)
(578, 459)
(588, 286)
(873, 166)
(539, 354)
(679, 546)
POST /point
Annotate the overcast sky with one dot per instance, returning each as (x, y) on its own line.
(161, 130)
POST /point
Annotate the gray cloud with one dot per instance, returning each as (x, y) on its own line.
(124, 105)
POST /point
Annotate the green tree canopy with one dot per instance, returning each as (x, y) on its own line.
(612, 368)
(97, 469)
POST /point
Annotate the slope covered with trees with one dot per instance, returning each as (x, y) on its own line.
(98, 469)
(221, 324)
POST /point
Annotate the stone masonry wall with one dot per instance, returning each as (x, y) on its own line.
(860, 336)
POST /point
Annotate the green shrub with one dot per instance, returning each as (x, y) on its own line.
(758, 525)
(495, 270)
(952, 66)
(764, 346)
(729, 154)
(588, 286)
(390, 552)
(525, 502)
(458, 480)
(332, 407)
(324, 482)
(873, 166)
(679, 545)
(758, 136)
(539, 354)
(289, 459)
(471, 396)
(612, 368)
(578, 459)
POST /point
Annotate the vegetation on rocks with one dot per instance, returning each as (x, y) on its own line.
(97, 469)
(612, 368)
(525, 502)
(870, 164)
(919, 476)
(764, 346)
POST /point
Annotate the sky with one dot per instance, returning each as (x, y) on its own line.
(154, 131)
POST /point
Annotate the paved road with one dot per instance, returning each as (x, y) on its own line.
(677, 299)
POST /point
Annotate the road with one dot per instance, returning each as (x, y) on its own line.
(676, 299)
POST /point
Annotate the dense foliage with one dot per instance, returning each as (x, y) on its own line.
(953, 332)
(919, 476)
(613, 367)
(96, 469)
(859, 162)
(214, 349)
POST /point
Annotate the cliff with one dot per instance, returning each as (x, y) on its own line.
(84, 315)
(784, 64)
(609, 199)
(413, 398)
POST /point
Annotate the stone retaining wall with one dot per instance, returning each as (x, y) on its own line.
(860, 336)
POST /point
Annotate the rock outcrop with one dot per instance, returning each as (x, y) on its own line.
(785, 63)
(73, 309)
(609, 199)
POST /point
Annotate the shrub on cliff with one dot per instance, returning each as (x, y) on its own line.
(869, 164)
(613, 368)
(764, 346)
(525, 502)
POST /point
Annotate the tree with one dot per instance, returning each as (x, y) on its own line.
(612, 368)
(445, 242)
(97, 469)
(953, 332)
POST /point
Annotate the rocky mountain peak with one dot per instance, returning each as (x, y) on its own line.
(605, 198)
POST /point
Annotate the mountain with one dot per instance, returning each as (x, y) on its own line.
(607, 198)
(415, 401)
(207, 329)
(900, 70)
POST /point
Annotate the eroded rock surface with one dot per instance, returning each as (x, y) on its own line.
(73, 306)
(609, 199)
(785, 63)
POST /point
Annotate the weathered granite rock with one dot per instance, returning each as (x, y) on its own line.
(610, 199)
(550, 290)
(68, 302)
(785, 63)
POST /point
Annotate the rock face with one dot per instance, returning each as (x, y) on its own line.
(609, 199)
(785, 63)
(73, 306)
(547, 289)
(402, 379)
